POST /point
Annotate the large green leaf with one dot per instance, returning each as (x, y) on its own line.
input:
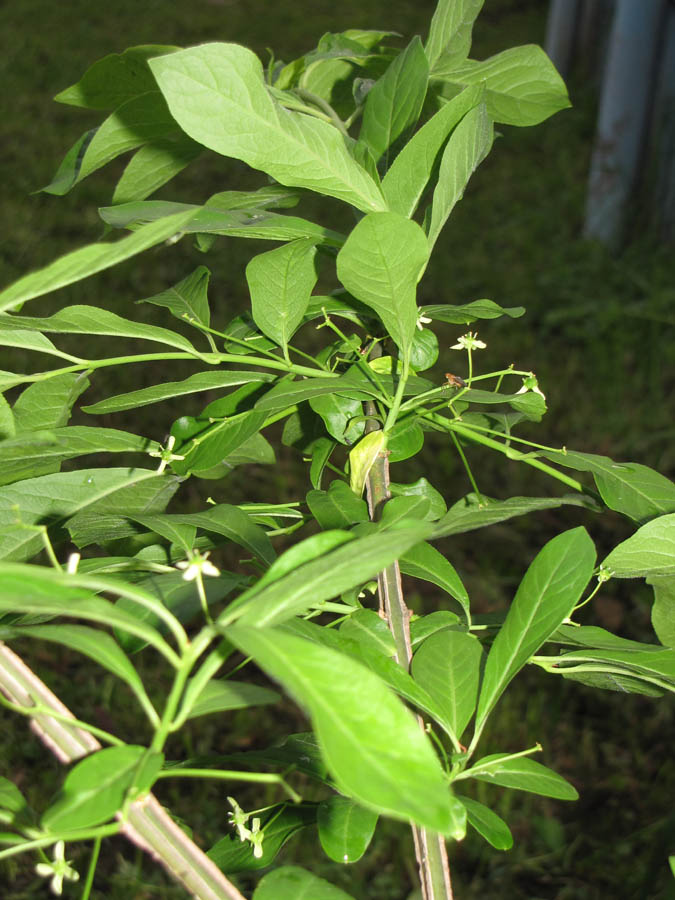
(50, 499)
(294, 883)
(48, 404)
(650, 551)
(372, 745)
(522, 84)
(41, 452)
(468, 146)
(328, 576)
(153, 165)
(289, 393)
(218, 441)
(380, 264)
(342, 416)
(200, 381)
(449, 38)
(629, 488)
(545, 597)
(448, 666)
(89, 260)
(395, 101)
(217, 94)
(94, 790)
(345, 828)
(280, 283)
(94, 320)
(523, 774)
(410, 172)
(116, 78)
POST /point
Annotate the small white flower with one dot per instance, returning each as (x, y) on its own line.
(530, 384)
(165, 455)
(57, 870)
(422, 321)
(73, 563)
(239, 818)
(196, 564)
(469, 342)
(256, 838)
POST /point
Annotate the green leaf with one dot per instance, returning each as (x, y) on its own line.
(395, 101)
(47, 404)
(91, 642)
(36, 590)
(338, 507)
(141, 119)
(200, 381)
(362, 458)
(37, 453)
(321, 450)
(523, 774)
(468, 146)
(437, 506)
(114, 79)
(217, 94)
(380, 264)
(294, 883)
(218, 441)
(219, 696)
(89, 260)
(345, 828)
(472, 512)
(628, 488)
(488, 824)
(522, 84)
(302, 552)
(404, 183)
(447, 666)
(50, 499)
(7, 421)
(650, 551)
(187, 300)
(427, 563)
(290, 393)
(25, 340)
(657, 662)
(424, 350)
(13, 806)
(155, 164)
(663, 610)
(406, 439)
(366, 627)
(175, 533)
(94, 790)
(280, 282)
(324, 578)
(400, 509)
(372, 745)
(93, 320)
(464, 314)
(342, 417)
(449, 38)
(597, 677)
(424, 626)
(279, 824)
(546, 596)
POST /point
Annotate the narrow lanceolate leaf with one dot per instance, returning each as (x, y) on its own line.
(650, 551)
(215, 444)
(51, 499)
(188, 300)
(427, 563)
(371, 743)
(93, 320)
(545, 597)
(155, 164)
(289, 393)
(410, 172)
(468, 146)
(89, 260)
(294, 883)
(324, 578)
(281, 282)
(37, 453)
(626, 487)
(465, 313)
(657, 662)
(470, 513)
(217, 94)
(395, 101)
(522, 84)
(47, 404)
(380, 264)
(95, 788)
(448, 666)
(488, 824)
(234, 524)
(345, 828)
(449, 38)
(523, 774)
(201, 381)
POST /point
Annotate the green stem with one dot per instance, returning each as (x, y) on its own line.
(393, 413)
(86, 834)
(467, 467)
(486, 767)
(324, 106)
(91, 871)
(233, 775)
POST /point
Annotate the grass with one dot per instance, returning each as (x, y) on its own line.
(599, 337)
